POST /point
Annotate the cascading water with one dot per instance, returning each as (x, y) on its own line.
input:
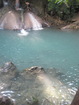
(35, 23)
(17, 21)
(22, 31)
(2, 25)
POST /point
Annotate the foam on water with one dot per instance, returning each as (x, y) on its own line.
(23, 32)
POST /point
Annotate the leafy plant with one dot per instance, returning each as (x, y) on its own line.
(63, 8)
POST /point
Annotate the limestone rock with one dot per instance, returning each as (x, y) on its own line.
(8, 67)
(71, 27)
(4, 100)
(33, 101)
(76, 99)
(10, 21)
(35, 70)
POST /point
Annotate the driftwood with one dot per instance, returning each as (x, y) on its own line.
(76, 99)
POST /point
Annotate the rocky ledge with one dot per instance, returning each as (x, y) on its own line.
(74, 25)
(32, 86)
(71, 27)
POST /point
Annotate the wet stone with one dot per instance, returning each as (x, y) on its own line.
(33, 101)
(8, 67)
(4, 100)
(47, 102)
(35, 70)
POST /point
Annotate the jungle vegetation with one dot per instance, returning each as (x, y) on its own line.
(63, 8)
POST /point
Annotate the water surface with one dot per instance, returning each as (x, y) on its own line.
(47, 48)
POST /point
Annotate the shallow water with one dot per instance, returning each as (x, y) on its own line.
(46, 48)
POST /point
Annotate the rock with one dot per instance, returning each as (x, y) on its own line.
(4, 10)
(47, 102)
(10, 21)
(71, 27)
(76, 99)
(33, 101)
(35, 70)
(8, 67)
(4, 100)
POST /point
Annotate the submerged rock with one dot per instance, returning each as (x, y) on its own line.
(4, 100)
(35, 70)
(33, 101)
(33, 86)
(8, 68)
(76, 99)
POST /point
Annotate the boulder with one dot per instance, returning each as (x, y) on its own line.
(8, 68)
(35, 70)
(71, 27)
(76, 99)
(4, 100)
(11, 21)
(33, 101)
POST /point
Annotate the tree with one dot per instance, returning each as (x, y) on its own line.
(63, 8)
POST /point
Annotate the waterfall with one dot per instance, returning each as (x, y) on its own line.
(23, 32)
(35, 23)
(16, 21)
(2, 23)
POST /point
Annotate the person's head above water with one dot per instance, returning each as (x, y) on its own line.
(4, 100)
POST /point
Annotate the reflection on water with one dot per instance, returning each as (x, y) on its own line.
(56, 51)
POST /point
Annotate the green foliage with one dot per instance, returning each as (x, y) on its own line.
(63, 8)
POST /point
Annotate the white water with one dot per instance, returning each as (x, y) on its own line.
(35, 23)
(23, 32)
(2, 23)
(5, 3)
